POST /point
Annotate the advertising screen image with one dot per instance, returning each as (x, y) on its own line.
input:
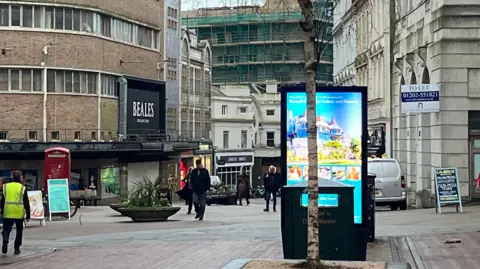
(339, 136)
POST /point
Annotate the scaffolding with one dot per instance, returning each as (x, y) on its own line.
(256, 44)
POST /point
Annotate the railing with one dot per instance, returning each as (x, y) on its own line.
(258, 58)
(92, 135)
(268, 146)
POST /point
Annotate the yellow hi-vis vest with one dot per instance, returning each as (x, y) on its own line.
(13, 194)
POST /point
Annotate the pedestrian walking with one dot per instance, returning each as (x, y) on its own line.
(14, 207)
(271, 185)
(243, 188)
(200, 182)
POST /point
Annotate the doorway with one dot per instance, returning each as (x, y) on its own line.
(474, 165)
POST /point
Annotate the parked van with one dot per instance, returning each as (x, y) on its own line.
(389, 184)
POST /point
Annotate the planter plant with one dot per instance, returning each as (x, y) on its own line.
(146, 204)
(221, 194)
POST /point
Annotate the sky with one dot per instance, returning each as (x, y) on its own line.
(347, 113)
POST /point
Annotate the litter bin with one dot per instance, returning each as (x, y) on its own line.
(370, 207)
(337, 229)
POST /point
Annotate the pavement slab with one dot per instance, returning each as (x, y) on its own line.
(99, 235)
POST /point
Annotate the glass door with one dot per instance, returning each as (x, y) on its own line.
(475, 166)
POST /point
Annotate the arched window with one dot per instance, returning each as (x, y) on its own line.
(184, 48)
(413, 79)
(426, 76)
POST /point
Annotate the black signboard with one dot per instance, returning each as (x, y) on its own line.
(234, 159)
(447, 189)
(145, 111)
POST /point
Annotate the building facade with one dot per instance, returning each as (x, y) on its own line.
(233, 132)
(90, 76)
(257, 44)
(373, 67)
(344, 44)
(196, 98)
(435, 46)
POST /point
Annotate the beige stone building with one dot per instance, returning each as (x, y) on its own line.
(60, 61)
(372, 65)
(437, 43)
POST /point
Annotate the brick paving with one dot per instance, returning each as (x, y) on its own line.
(192, 255)
(436, 254)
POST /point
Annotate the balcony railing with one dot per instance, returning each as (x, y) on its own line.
(93, 136)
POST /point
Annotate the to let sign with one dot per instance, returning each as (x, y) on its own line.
(447, 189)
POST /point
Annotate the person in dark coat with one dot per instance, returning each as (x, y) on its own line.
(243, 188)
(188, 196)
(271, 184)
(200, 182)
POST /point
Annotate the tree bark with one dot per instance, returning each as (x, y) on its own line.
(313, 250)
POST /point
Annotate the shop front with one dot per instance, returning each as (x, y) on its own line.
(188, 158)
(229, 166)
(377, 140)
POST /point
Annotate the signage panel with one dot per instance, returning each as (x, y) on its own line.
(145, 111)
(420, 98)
(340, 127)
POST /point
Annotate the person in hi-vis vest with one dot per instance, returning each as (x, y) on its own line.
(14, 208)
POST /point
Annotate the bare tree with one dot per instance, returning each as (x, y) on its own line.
(317, 17)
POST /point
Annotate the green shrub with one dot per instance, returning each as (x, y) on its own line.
(145, 194)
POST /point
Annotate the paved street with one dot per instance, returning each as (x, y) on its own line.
(98, 235)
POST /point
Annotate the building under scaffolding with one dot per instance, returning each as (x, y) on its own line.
(257, 44)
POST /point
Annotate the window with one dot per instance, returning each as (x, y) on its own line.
(94, 136)
(68, 19)
(224, 110)
(59, 81)
(76, 82)
(55, 135)
(76, 20)
(243, 137)
(64, 18)
(37, 16)
(59, 18)
(49, 17)
(3, 80)
(102, 136)
(16, 16)
(77, 136)
(108, 85)
(270, 139)
(27, 80)
(83, 83)
(225, 139)
(110, 134)
(32, 135)
(3, 135)
(270, 112)
(68, 81)
(37, 80)
(243, 110)
(92, 83)
(4, 15)
(14, 80)
(27, 16)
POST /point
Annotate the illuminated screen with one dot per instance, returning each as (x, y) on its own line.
(339, 132)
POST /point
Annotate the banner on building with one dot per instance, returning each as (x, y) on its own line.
(420, 98)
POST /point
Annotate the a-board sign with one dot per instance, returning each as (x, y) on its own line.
(58, 196)
(447, 188)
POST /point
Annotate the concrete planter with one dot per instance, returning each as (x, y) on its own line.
(243, 263)
(116, 207)
(148, 214)
(222, 199)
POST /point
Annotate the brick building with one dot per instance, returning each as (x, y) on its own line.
(62, 67)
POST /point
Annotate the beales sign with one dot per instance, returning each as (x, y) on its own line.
(143, 111)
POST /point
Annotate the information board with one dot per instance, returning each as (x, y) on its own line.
(58, 196)
(339, 136)
(447, 189)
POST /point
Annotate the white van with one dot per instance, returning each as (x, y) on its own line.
(389, 184)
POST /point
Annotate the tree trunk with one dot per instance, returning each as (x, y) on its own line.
(313, 250)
